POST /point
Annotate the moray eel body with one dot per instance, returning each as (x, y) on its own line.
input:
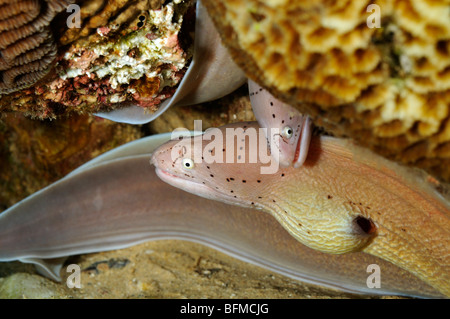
(116, 201)
(288, 131)
(343, 199)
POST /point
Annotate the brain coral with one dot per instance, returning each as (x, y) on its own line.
(377, 71)
(27, 49)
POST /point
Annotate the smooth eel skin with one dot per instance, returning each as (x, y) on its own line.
(343, 199)
(117, 200)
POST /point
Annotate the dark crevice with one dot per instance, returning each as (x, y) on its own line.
(365, 224)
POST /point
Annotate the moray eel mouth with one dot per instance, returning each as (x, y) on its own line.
(299, 144)
(301, 152)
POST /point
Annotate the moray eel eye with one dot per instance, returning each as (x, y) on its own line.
(287, 132)
(188, 163)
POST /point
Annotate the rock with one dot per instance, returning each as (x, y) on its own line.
(162, 269)
(29, 286)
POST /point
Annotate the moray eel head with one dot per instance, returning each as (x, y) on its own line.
(203, 165)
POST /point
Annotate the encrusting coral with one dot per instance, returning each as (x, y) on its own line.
(118, 51)
(377, 71)
(99, 13)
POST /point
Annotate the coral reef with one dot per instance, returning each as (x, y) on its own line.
(100, 13)
(386, 85)
(119, 53)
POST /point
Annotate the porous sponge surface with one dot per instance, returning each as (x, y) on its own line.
(386, 85)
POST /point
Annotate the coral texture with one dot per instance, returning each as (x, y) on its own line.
(99, 13)
(120, 52)
(27, 48)
(386, 85)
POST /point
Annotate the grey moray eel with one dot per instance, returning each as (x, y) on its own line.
(343, 198)
(117, 200)
(149, 217)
